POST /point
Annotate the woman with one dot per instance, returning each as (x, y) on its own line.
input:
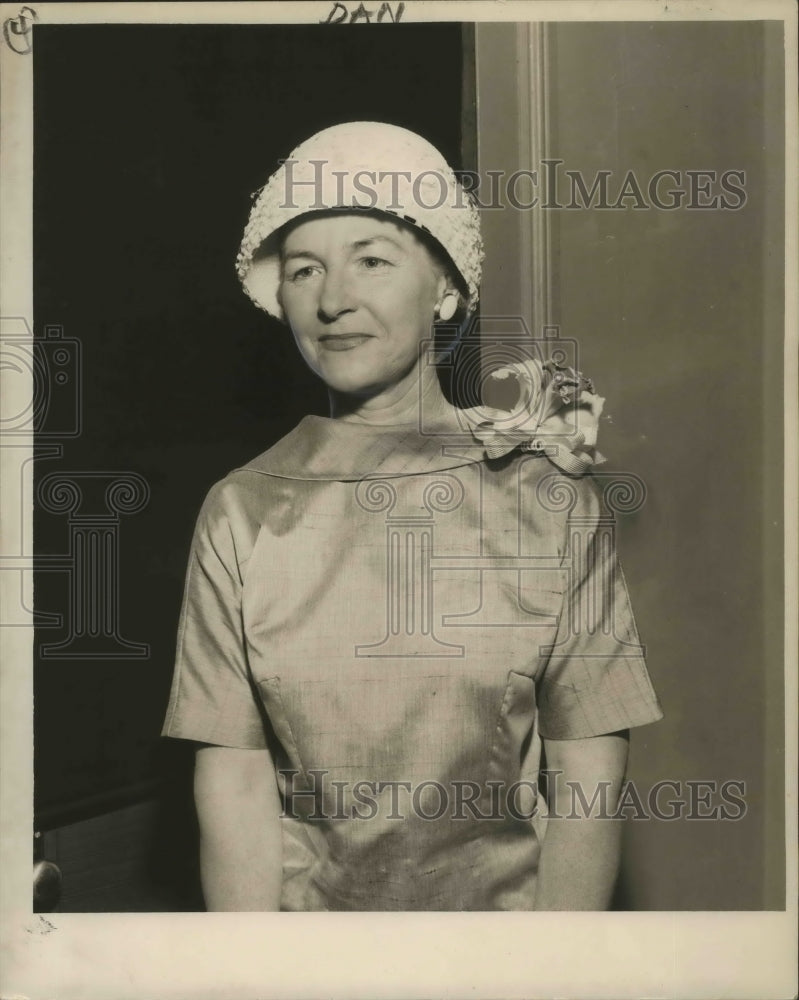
(390, 613)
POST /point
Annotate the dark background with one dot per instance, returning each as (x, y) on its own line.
(149, 141)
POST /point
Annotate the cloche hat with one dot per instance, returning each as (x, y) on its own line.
(361, 165)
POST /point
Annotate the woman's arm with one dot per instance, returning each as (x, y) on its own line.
(580, 854)
(238, 807)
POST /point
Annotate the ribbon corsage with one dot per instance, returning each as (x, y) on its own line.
(556, 414)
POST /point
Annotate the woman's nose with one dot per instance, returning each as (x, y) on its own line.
(335, 297)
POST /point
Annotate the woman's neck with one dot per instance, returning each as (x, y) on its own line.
(402, 403)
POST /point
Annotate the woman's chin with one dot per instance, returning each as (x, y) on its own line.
(362, 384)
(355, 388)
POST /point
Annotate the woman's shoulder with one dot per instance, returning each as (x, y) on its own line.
(535, 470)
(240, 498)
(556, 490)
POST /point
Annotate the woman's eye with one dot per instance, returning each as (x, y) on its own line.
(302, 272)
(374, 263)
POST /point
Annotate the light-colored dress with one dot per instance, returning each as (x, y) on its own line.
(400, 620)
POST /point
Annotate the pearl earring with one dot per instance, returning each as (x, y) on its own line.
(448, 306)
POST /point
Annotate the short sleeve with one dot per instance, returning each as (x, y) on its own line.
(212, 698)
(595, 680)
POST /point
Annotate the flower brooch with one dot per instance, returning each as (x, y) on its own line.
(556, 414)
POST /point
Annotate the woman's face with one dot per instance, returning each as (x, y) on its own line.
(359, 293)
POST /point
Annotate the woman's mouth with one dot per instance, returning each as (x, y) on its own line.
(343, 341)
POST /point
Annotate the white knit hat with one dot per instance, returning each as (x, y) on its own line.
(362, 165)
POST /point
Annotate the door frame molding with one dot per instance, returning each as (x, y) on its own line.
(512, 64)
